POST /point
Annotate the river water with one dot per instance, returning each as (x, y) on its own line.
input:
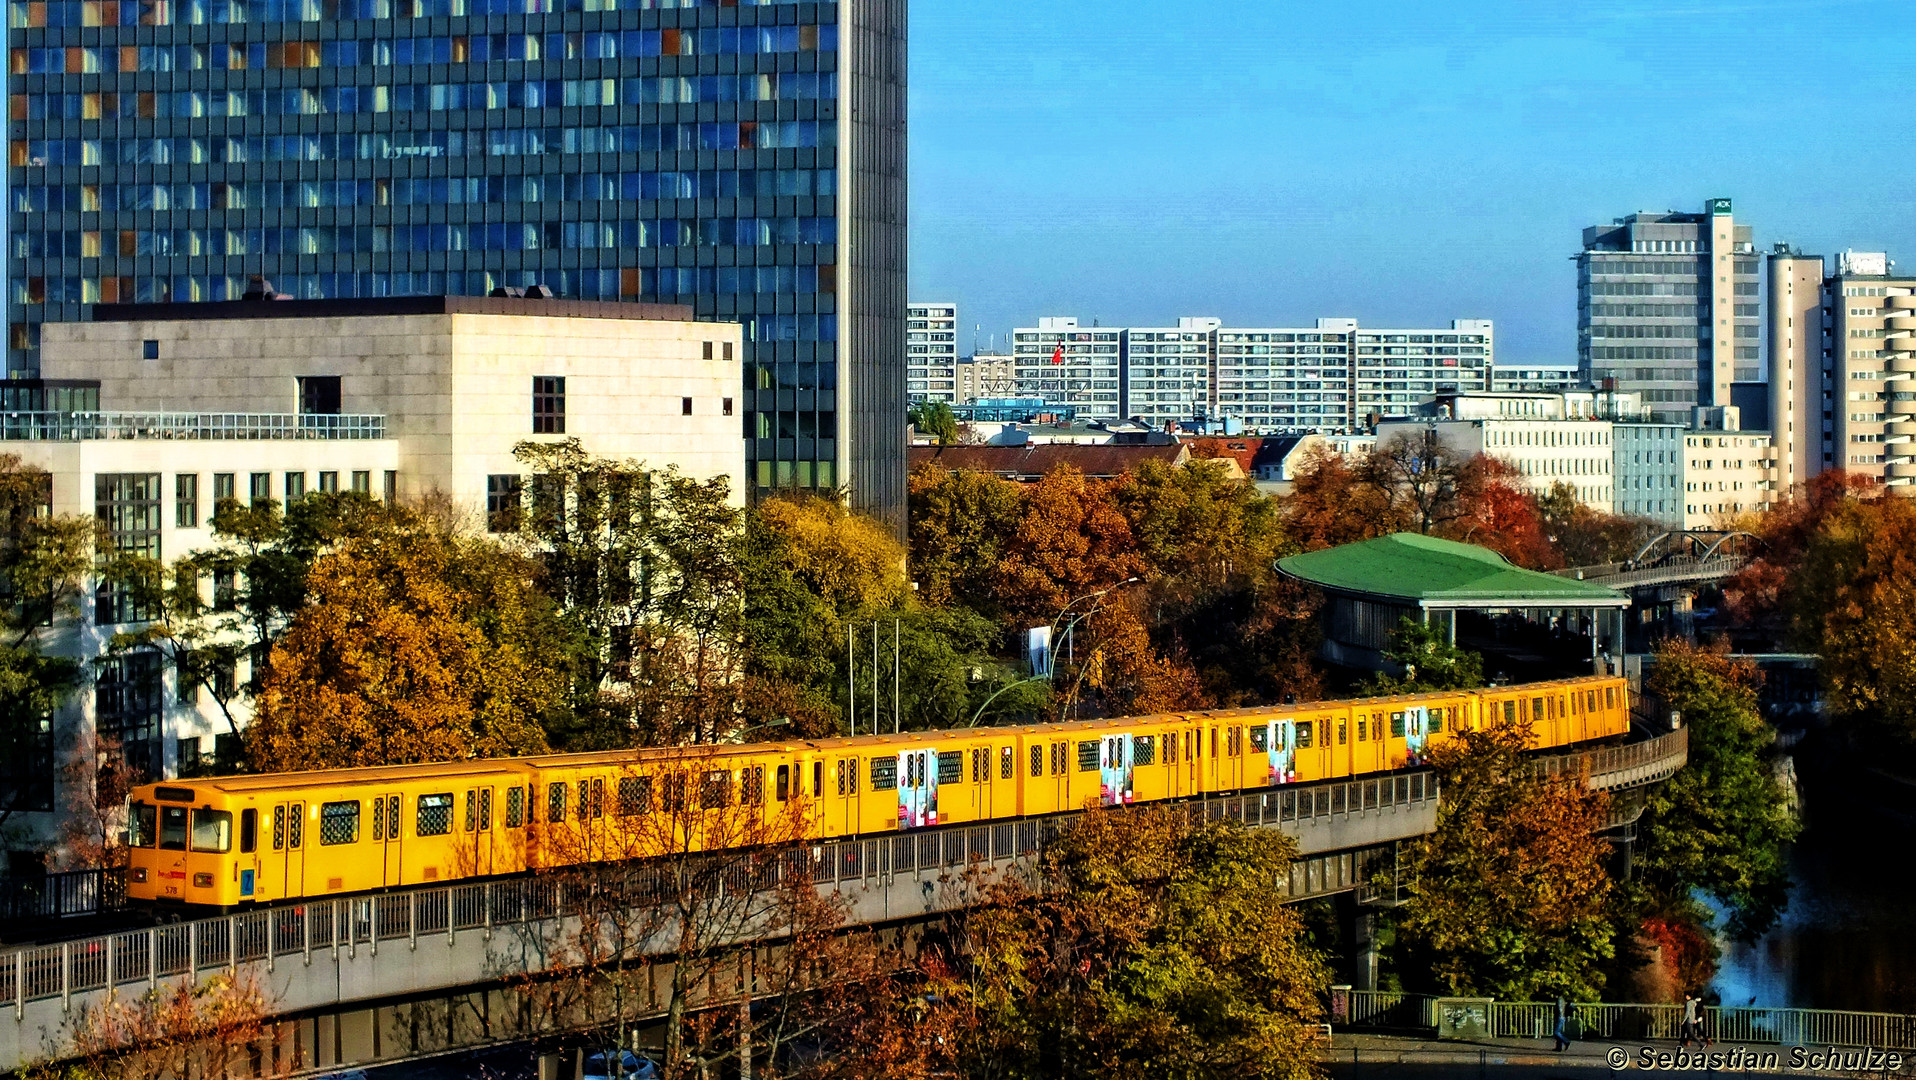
(1848, 938)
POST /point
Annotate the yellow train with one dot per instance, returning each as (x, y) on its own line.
(249, 839)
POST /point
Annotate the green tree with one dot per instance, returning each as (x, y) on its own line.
(934, 418)
(1721, 825)
(45, 561)
(1131, 958)
(1509, 896)
(1428, 661)
(961, 525)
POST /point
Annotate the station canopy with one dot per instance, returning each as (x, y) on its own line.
(1425, 572)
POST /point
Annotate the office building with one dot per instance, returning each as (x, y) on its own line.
(1068, 364)
(150, 414)
(931, 352)
(1167, 371)
(1548, 438)
(1843, 344)
(747, 160)
(986, 375)
(1667, 306)
(1648, 473)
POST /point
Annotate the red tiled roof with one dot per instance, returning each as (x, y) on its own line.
(1032, 461)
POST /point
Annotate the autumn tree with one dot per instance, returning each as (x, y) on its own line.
(416, 646)
(1333, 502)
(1425, 478)
(1721, 826)
(215, 1025)
(1586, 536)
(1127, 957)
(1071, 540)
(1761, 596)
(961, 524)
(848, 560)
(45, 562)
(1498, 511)
(1508, 897)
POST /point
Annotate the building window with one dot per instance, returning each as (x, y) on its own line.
(27, 769)
(329, 483)
(548, 405)
(685, 406)
(186, 754)
(186, 501)
(149, 349)
(260, 487)
(725, 406)
(295, 487)
(363, 481)
(223, 488)
(319, 395)
(127, 703)
(392, 486)
(128, 507)
(707, 354)
(503, 502)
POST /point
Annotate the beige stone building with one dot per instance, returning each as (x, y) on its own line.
(986, 375)
(1726, 475)
(149, 415)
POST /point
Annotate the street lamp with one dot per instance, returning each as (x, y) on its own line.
(780, 722)
(1050, 666)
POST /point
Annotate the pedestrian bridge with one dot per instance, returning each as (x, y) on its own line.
(334, 967)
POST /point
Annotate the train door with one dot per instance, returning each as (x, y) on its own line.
(917, 789)
(386, 818)
(844, 797)
(287, 861)
(478, 832)
(1115, 764)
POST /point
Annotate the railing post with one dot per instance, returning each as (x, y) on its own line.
(152, 958)
(192, 953)
(232, 944)
(66, 975)
(412, 919)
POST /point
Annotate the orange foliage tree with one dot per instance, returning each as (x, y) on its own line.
(1854, 604)
(1759, 597)
(1332, 503)
(400, 658)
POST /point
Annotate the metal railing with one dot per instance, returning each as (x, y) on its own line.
(62, 895)
(1605, 1020)
(1630, 765)
(79, 426)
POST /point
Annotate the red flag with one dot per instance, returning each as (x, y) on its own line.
(1057, 354)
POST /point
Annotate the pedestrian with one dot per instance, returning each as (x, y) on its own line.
(1689, 1028)
(1563, 1039)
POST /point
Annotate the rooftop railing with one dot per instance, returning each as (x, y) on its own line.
(82, 426)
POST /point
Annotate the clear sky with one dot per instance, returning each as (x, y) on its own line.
(1271, 161)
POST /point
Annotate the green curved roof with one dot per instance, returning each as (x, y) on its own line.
(1428, 571)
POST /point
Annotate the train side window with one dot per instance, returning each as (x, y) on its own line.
(1510, 712)
(279, 827)
(1437, 720)
(1590, 701)
(249, 831)
(1087, 755)
(1304, 735)
(472, 810)
(212, 830)
(515, 806)
(715, 789)
(1363, 725)
(1144, 748)
(555, 802)
(434, 815)
(1037, 761)
(1536, 709)
(1171, 748)
(785, 781)
(592, 797)
(951, 766)
(1006, 766)
(1342, 730)
(339, 822)
(485, 809)
(1609, 697)
(1377, 726)
(980, 764)
(145, 825)
(751, 785)
(1213, 743)
(295, 825)
(635, 795)
(818, 779)
(884, 772)
(841, 776)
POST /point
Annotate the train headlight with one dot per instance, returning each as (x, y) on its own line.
(202, 881)
(139, 875)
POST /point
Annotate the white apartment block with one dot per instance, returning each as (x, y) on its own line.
(149, 415)
(1548, 438)
(1395, 370)
(1278, 380)
(1726, 474)
(931, 352)
(1514, 380)
(1068, 364)
(1166, 371)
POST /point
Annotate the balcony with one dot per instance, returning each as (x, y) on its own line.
(1902, 323)
(1900, 303)
(247, 427)
(1901, 470)
(1904, 344)
(1901, 429)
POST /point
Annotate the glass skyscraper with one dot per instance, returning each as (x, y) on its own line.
(746, 159)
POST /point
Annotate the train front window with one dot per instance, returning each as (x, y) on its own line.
(249, 830)
(144, 822)
(212, 830)
(173, 828)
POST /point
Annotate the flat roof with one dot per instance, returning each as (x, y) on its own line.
(391, 305)
(1433, 573)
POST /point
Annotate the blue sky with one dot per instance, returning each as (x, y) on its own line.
(1271, 161)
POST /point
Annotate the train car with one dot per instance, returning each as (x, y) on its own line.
(238, 840)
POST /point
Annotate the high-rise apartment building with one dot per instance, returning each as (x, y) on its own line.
(931, 352)
(1068, 364)
(1330, 377)
(745, 159)
(1801, 408)
(1545, 380)
(1667, 306)
(986, 375)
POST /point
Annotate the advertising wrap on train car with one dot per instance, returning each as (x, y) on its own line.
(1281, 756)
(1115, 763)
(1416, 733)
(917, 788)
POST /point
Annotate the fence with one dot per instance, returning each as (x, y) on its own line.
(1631, 765)
(61, 896)
(1537, 1020)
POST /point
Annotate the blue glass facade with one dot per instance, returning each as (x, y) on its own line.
(745, 159)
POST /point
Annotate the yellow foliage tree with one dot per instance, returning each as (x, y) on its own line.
(850, 561)
(415, 647)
